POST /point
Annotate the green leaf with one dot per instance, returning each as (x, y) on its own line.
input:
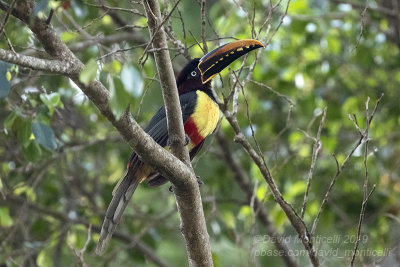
(22, 188)
(44, 135)
(120, 99)
(132, 80)
(333, 44)
(44, 258)
(113, 67)
(229, 219)
(68, 36)
(32, 151)
(5, 219)
(24, 131)
(51, 101)
(295, 189)
(4, 82)
(9, 121)
(89, 72)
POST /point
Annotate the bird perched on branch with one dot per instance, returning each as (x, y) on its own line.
(200, 114)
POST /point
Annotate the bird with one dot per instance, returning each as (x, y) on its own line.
(200, 114)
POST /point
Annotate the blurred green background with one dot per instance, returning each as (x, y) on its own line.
(60, 159)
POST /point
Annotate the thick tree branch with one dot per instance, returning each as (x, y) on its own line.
(193, 225)
(176, 133)
(151, 153)
(182, 176)
(57, 66)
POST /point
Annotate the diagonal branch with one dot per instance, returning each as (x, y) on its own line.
(180, 174)
(317, 147)
(294, 218)
(245, 185)
(341, 166)
(161, 160)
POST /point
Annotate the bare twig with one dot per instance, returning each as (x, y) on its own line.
(286, 98)
(363, 20)
(128, 10)
(120, 51)
(193, 226)
(244, 183)
(203, 26)
(388, 12)
(78, 253)
(158, 25)
(341, 166)
(7, 16)
(366, 195)
(316, 149)
(362, 213)
(292, 215)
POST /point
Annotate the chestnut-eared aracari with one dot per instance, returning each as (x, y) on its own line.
(200, 114)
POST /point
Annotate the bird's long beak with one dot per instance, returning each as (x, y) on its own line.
(214, 62)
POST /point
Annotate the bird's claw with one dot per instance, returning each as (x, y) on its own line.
(199, 181)
(187, 139)
(172, 140)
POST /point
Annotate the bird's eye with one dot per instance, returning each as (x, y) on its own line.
(193, 73)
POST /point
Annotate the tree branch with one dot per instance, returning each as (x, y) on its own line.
(245, 185)
(340, 167)
(188, 197)
(294, 218)
(161, 160)
(57, 66)
(182, 176)
(316, 148)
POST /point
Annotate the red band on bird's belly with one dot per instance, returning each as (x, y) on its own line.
(192, 131)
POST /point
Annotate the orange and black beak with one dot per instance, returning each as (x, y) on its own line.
(218, 59)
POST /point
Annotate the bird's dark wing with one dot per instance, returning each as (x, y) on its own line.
(137, 171)
(155, 179)
(158, 128)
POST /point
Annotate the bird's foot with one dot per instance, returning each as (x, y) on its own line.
(199, 181)
(172, 140)
(187, 139)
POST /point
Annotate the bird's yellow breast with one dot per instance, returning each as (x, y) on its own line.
(206, 114)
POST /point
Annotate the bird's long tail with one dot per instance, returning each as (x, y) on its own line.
(121, 196)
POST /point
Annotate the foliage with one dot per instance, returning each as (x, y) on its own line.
(60, 158)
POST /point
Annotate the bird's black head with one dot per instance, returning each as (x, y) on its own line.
(197, 74)
(189, 79)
